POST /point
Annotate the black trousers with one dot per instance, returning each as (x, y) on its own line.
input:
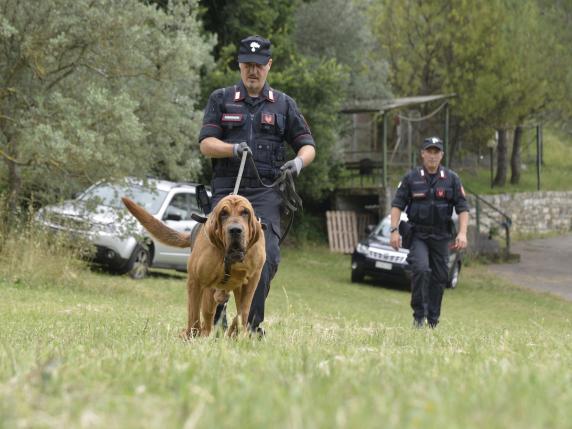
(266, 203)
(428, 258)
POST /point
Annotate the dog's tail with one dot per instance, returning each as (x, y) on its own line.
(156, 228)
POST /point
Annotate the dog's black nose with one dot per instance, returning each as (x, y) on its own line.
(235, 230)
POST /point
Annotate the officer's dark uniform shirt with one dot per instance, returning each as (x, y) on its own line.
(429, 199)
(263, 122)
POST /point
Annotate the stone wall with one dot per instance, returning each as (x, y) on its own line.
(531, 212)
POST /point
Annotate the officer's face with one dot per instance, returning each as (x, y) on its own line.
(254, 76)
(431, 158)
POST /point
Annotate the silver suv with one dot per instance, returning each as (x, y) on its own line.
(98, 216)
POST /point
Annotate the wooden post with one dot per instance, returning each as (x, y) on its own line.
(446, 135)
(538, 157)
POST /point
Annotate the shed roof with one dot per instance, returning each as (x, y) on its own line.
(364, 106)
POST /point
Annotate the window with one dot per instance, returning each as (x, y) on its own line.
(182, 205)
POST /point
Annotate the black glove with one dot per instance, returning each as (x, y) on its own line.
(294, 165)
(239, 148)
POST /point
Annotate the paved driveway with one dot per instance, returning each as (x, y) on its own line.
(545, 265)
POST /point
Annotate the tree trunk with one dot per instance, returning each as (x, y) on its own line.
(515, 157)
(454, 139)
(14, 185)
(500, 178)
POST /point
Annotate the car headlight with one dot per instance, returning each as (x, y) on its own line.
(362, 248)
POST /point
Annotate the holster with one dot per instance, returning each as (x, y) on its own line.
(406, 232)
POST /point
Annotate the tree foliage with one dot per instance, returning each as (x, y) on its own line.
(339, 29)
(491, 53)
(92, 90)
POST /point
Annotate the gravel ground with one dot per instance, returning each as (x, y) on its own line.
(545, 265)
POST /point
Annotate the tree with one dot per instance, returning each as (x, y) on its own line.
(502, 160)
(92, 90)
(339, 29)
(556, 20)
(489, 53)
(515, 157)
(527, 88)
(441, 47)
(233, 20)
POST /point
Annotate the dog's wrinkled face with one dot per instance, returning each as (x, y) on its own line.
(235, 226)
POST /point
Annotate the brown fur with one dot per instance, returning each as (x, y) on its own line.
(206, 268)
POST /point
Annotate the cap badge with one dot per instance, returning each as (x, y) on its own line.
(254, 46)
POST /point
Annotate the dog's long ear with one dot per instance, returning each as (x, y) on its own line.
(214, 228)
(255, 229)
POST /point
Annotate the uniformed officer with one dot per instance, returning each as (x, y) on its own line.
(429, 193)
(254, 117)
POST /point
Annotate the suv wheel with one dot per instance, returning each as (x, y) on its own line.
(454, 277)
(139, 262)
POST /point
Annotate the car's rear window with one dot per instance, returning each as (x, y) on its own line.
(110, 195)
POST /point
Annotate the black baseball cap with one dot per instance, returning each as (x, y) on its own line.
(254, 49)
(432, 142)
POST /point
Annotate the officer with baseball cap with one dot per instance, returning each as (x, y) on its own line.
(429, 193)
(253, 117)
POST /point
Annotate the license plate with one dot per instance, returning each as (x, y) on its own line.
(383, 265)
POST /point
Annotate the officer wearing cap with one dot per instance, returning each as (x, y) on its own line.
(252, 116)
(428, 194)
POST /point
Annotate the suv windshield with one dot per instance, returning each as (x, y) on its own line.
(382, 228)
(110, 195)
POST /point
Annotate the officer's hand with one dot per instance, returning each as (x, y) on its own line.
(395, 240)
(460, 241)
(294, 166)
(239, 148)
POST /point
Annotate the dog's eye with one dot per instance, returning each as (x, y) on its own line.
(224, 214)
(245, 213)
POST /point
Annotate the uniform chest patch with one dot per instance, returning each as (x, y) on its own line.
(232, 117)
(268, 118)
(440, 192)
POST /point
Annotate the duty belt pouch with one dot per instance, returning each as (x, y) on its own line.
(406, 232)
(203, 199)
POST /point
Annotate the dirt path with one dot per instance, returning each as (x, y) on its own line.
(545, 265)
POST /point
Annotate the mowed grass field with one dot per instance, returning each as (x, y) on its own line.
(82, 349)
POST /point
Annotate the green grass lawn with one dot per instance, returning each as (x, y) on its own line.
(88, 349)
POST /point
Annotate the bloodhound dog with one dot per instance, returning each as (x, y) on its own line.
(228, 254)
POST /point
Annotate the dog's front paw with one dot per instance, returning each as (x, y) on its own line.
(188, 334)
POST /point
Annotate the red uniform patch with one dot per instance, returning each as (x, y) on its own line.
(268, 118)
(440, 192)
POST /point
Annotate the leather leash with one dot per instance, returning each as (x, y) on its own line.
(240, 171)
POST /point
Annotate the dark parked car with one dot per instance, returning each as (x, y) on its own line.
(374, 257)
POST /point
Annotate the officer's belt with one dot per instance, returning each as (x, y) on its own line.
(246, 182)
(430, 229)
